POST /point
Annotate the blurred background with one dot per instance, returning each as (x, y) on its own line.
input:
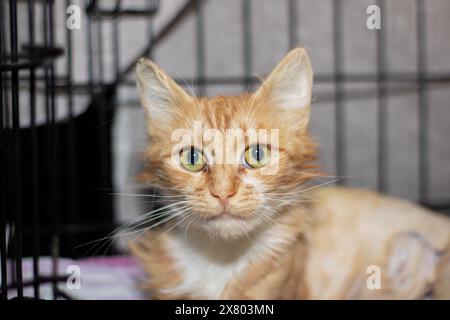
(73, 132)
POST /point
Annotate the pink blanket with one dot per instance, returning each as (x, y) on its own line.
(99, 278)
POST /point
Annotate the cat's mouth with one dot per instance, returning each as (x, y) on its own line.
(225, 215)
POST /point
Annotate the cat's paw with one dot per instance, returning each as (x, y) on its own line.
(411, 266)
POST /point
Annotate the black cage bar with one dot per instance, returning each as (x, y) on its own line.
(56, 173)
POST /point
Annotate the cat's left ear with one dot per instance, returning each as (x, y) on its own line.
(289, 85)
(159, 93)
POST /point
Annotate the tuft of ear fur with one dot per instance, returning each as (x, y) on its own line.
(159, 93)
(289, 85)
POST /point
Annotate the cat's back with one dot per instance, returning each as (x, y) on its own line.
(356, 230)
(376, 214)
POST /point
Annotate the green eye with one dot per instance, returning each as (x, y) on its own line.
(257, 156)
(192, 159)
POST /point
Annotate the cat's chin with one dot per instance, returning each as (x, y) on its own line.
(228, 227)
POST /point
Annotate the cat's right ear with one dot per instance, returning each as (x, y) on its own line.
(289, 85)
(159, 93)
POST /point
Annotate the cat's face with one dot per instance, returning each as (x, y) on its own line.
(232, 163)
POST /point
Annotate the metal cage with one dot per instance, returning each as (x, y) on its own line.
(55, 174)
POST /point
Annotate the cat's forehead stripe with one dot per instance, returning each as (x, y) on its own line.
(223, 112)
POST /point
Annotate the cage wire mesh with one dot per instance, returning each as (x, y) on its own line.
(61, 93)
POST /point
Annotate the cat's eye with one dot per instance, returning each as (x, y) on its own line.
(257, 156)
(192, 159)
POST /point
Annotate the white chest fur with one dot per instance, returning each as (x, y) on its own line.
(208, 266)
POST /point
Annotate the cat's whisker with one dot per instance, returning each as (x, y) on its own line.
(170, 217)
(147, 195)
(266, 217)
(116, 231)
(158, 216)
(320, 176)
(162, 214)
(247, 237)
(119, 232)
(311, 200)
(164, 188)
(142, 231)
(176, 224)
(185, 202)
(283, 201)
(300, 191)
(286, 202)
(195, 216)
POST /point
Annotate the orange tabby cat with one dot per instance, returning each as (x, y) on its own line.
(250, 228)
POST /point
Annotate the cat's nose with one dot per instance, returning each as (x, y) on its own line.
(223, 195)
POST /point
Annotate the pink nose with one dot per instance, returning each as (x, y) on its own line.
(223, 195)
